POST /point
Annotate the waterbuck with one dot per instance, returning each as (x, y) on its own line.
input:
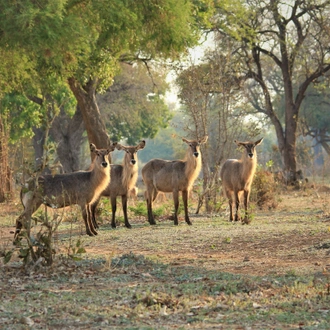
(237, 176)
(60, 190)
(123, 179)
(173, 176)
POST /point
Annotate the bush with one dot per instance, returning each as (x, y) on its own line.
(264, 190)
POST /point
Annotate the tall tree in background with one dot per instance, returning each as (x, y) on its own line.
(291, 38)
(211, 96)
(316, 114)
(133, 108)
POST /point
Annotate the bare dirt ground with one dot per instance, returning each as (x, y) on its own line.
(271, 274)
(294, 236)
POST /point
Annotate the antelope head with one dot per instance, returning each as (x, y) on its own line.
(102, 155)
(249, 147)
(131, 151)
(195, 145)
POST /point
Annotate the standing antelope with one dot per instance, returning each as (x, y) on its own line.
(237, 176)
(123, 179)
(173, 176)
(60, 190)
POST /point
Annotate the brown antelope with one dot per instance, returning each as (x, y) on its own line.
(123, 179)
(237, 176)
(60, 190)
(173, 176)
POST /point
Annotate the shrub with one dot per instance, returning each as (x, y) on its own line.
(264, 190)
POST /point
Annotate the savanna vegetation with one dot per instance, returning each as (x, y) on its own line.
(79, 72)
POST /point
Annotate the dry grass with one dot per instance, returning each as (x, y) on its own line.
(271, 274)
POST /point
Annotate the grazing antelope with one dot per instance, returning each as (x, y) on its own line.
(60, 190)
(237, 176)
(123, 179)
(173, 176)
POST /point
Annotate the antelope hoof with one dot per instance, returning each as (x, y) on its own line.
(152, 222)
(91, 233)
(189, 222)
(113, 225)
(127, 225)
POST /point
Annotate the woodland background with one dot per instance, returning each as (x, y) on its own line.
(74, 72)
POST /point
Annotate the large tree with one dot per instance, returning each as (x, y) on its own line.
(288, 38)
(83, 41)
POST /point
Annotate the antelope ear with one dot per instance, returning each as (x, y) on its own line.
(119, 146)
(141, 145)
(258, 142)
(185, 140)
(92, 147)
(239, 143)
(204, 139)
(112, 146)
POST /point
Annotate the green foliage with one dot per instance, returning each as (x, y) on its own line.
(16, 68)
(315, 108)
(86, 38)
(36, 250)
(139, 210)
(133, 109)
(19, 116)
(75, 250)
(238, 19)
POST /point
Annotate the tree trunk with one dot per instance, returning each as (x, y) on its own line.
(6, 188)
(68, 133)
(94, 125)
(38, 146)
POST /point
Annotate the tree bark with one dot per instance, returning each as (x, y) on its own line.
(68, 133)
(91, 115)
(6, 187)
(38, 146)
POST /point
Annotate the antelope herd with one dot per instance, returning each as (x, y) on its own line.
(85, 188)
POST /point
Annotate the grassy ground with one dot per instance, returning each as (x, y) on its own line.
(271, 274)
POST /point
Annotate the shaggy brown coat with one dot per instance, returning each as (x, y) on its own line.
(60, 190)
